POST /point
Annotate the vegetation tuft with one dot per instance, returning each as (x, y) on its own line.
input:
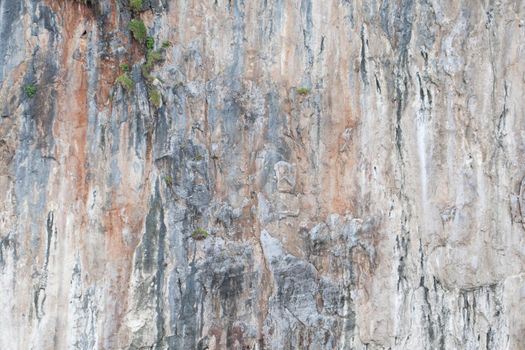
(155, 97)
(168, 180)
(151, 58)
(126, 82)
(124, 67)
(199, 234)
(135, 5)
(303, 91)
(150, 43)
(139, 30)
(140, 33)
(30, 90)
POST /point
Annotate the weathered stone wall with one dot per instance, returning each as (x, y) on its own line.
(358, 166)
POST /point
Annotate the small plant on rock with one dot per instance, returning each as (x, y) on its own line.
(30, 90)
(199, 234)
(151, 58)
(135, 5)
(138, 29)
(168, 180)
(166, 44)
(155, 97)
(126, 82)
(124, 67)
(303, 91)
(150, 43)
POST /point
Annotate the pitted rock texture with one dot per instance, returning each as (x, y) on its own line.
(358, 167)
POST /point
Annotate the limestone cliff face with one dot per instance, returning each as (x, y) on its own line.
(357, 166)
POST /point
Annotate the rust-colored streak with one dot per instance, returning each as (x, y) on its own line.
(106, 258)
(75, 14)
(68, 187)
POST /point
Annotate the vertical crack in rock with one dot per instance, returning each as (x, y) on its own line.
(364, 44)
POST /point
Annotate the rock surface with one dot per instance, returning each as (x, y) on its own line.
(358, 167)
